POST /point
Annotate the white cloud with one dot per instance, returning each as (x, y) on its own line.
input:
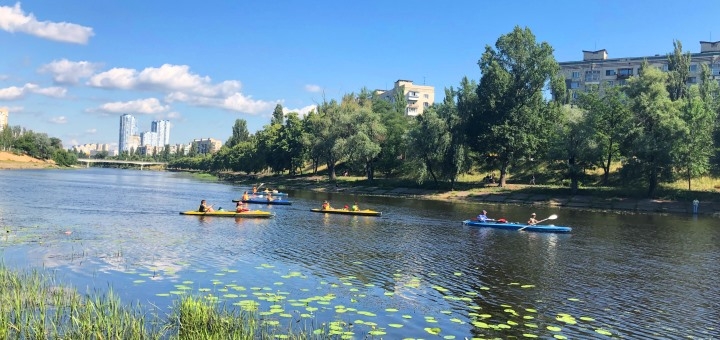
(91, 131)
(301, 111)
(4, 77)
(14, 92)
(58, 120)
(13, 19)
(181, 85)
(116, 78)
(69, 72)
(141, 106)
(313, 88)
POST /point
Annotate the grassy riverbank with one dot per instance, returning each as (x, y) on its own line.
(34, 306)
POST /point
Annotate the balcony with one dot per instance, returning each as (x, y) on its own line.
(413, 96)
(624, 76)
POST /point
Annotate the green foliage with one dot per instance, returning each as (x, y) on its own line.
(64, 158)
(695, 147)
(609, 116)
(678, 72)
(239, 133)
(429, 140)
(656, 129)
(512, 118)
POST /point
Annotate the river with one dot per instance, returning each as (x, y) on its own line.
(414, 272)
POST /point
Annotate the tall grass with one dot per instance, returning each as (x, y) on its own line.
(33, 306)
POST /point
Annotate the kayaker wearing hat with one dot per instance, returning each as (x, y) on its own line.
(532, 219)
(326, 206)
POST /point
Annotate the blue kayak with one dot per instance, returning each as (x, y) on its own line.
(518, 226)
(265, 201)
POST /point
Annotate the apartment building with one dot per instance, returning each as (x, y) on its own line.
(596, 69)
(207, 145)
(418, 97)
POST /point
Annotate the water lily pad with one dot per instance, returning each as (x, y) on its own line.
(559, 337)
(530, 335)
(573, 299)
(138, 281)
(162, 294)
(527, 286)
(554, 328)
(603, 332)
(433, 330)
(391, 310)
(585, 318)
(405, 316)
(395, 325)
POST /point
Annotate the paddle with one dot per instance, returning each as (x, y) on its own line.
(551, 217)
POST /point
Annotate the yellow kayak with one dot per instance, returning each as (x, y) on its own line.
(366, 212)
(251, 213)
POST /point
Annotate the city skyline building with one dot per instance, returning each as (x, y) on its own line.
(597, 70)
(128, 129)
(418, 97)
(4, 116)
(162, 128)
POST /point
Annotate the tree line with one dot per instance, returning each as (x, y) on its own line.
(519, 115)
(34, 144)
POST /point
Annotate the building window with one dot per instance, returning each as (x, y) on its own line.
(576, 75)
(609, 72)
(693, 68)
(426, 104)
(610, 83)
(625, 72)
(692, 80)
(591, 76)
(665, 67)
(622, 82)
(574, 95)
(574, 85)
(427, 96)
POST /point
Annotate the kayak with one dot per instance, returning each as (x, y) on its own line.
(251, 213)
(265, 201)
(273, 193)
(519, 226)
(366, 212)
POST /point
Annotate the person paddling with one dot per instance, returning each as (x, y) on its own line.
(326, 205)
(240, 207)
(204, 207)
(483, 217)
(532, 220)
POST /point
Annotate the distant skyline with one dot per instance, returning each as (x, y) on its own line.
(72, 68)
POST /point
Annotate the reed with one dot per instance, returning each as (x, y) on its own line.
(34, 306)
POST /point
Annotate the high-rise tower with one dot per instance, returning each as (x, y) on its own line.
(4, 113)
(128, 128)
(162, 127)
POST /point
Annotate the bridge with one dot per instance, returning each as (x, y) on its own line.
(142, 164)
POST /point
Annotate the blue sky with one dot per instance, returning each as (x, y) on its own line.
(71, 68)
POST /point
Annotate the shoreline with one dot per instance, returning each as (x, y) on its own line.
(480, 196)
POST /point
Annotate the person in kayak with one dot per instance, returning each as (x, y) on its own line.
(245, 196)
(532, 220)
(355, 207)
(326, 205)
(483, 217)
(204, 207)
(254, 190)
(240, 207)
(269, 198)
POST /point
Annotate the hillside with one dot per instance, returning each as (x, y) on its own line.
(9, 160)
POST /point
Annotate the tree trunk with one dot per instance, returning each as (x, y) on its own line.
(653, 182)
(606, 168)
(331, 171)
(689, 177)
(573, 175)
(432, 174)
(370, 170)
(503, 173)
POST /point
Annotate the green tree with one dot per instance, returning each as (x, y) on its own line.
(429, 139)
(512, 116)
(696, 146)
(393, 144)
(239, 133)
(278, 116)
(457, 156)
(610, 118)
(572, 143)
(678, 72)
(655, 132)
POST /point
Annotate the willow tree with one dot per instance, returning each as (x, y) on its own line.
(512, 115)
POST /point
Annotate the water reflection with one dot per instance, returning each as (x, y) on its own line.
(628, 273)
